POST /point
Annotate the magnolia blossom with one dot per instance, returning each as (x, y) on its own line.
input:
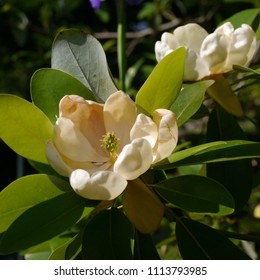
(102, 146)
(209, 54)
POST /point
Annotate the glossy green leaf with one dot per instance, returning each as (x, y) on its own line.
(108, 236)
(246, 16)
(24, 127)
(236, 175)
(197, 194)
(189, 100)
(82, 56)
(60, 252)
(42, 222)
(26, 192)
(223, 94)
(164, 83)
(48, 86)
(200, 242)
(218, 151)
(144, 248)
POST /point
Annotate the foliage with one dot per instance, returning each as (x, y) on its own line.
(209, 185)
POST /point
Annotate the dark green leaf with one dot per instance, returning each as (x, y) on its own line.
(236, 175)
(189, 100)
(200, 242)
(48, 86)
(144, 248)
(42, 222)
(83, 57)
(164, 83)
(108, 236)
(197, 194)
(26, 192)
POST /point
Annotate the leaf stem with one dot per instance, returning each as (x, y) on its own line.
(121, 41)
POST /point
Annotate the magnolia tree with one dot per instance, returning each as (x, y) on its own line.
(116, 177)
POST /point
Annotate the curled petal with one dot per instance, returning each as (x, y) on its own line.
(56, 161)
(142, 206)
(119, 116)
(72, 143)
(134, 160)
(167, 133)
(144, 128)
(191, 36)
(102, 185)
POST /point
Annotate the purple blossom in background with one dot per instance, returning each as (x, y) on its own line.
(96, 3)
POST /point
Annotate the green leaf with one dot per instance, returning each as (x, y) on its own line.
(223, 94)
(26, 192)
(246, 16)
(164, 83)
(236, 176)
(24, 127)
(82, 56)
(197, 194)
(200, 242)
(218, 151)
(48, 86)
(108, 236)
(42, 222)
(144, 248)
(189, 100)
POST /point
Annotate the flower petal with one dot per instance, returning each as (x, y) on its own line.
(56, 160)
(167, 44)
(102, 185)
(144, 128)
(168, 133)
(73, 144)
(191, 36)
(142, 206)
(134, 160)
(119, 116)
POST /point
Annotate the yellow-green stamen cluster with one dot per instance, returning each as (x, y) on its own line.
(110, 143)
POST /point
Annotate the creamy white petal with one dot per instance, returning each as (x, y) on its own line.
(72, 143)
(56, 161)
(102, 185)
(134, 160)
(119, 116)
(214, 51)
(167, 133)
(190, 36)
(145, 128)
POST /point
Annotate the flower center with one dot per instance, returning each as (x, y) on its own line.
(110, 143)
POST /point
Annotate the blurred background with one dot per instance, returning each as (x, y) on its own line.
(28, 28)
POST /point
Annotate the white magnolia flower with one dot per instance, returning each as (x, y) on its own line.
(102, 146)
(209, 54)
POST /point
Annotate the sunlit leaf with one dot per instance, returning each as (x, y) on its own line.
(222, 93)
(48, 86)
(82, 56)
(197, 194)
(26, 192)
(108, 236)
(164, 83)
(189, 100)
(200, 242)
(24, 127)
(42, 222)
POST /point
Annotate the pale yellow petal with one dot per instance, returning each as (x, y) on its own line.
(119, 116)
(167, 133)
(56, 161)
(145, 128)
(134, 160)
(143, 208)
(102, 185)
(73, 144)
